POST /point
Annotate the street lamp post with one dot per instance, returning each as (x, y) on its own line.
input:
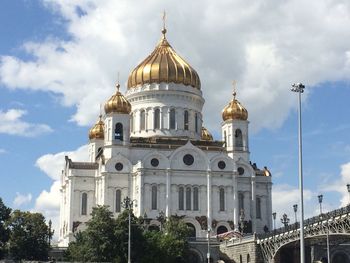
(285, 220)
(320, 198)
(208, 253)
(295, 209)
(299, 88)
(348, 187)
(274, 220)
(128, 204)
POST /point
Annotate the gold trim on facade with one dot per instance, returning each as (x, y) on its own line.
(206, 135)
(118, 103)
(164, 65)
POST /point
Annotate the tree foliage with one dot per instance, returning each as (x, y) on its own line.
(106, 239)
(4, 231)
(28, 237)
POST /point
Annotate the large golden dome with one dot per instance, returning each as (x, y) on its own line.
(118, 103)
(164, 65)
(97, 131)
(234, 110)
(206, 135)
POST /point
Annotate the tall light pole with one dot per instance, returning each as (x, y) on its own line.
(348, 187)
(299, 88)
(320, 198)
(295, 209)
(128, 204)
(208, 253)
(285, 220)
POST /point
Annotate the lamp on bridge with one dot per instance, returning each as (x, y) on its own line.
(295, 209)
(274, 220)
(348, 187)
(320, 198)
(285, 220)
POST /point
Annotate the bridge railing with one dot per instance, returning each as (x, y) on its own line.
(310, 221)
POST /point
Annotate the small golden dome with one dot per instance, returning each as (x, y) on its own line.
(234, 110)
(206, 135)
(97, 131)
(164, 65)
(118, 103)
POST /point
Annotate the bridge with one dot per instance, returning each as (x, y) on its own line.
(282, 245)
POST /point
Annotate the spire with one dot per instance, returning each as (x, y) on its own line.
(118, 85)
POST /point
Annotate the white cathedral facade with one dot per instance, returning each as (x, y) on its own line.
(151, 146)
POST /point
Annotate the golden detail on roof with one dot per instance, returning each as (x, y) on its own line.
(164, 65)
(118, 103)
(234, 110)
(97, 131)
(206, 135)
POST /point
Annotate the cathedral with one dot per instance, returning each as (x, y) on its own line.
(150, 145)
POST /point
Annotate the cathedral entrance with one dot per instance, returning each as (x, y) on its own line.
(221, 229)
(192, 229)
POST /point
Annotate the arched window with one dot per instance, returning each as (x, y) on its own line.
(118, 201)
(84, 204)
(142, 120)
(225, 139)
(196, 122)
(222, 199)
(154, 197)
(156, 119)
(188, 198)
(195, 199)
(192, 230)
(132, 122)
(238, 138)
(240, 202)
(181, 198)
(186, 120)
(118, 132)
(172, 119)
(258, 207)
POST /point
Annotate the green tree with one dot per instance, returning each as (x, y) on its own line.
(29, 236)
(4, 231)
(98, 242)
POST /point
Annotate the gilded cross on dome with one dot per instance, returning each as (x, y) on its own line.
(234, 84)
(164, 18)
(118, 85)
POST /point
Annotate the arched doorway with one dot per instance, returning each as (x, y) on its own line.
(193, 257)
(340, 257)
(221, 229)
(153, 228)
(192, 230)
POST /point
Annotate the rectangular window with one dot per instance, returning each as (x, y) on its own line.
(118, 201)
(258, 207)
(154, 197)
(222, 199)
(181, 198)
(195, 199)
(188, 198)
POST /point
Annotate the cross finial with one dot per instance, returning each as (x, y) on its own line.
(234, 83)
(164, 19)
(118, 85)
(100, 111)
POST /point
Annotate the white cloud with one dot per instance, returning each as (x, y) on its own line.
(265, 46)
(22, 199)
(339, 185)
(48, 202)
(11, 123)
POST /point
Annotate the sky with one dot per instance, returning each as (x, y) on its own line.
(59, 61)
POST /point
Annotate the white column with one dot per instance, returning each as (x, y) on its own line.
(209, 212)
(140, 197)
(146, 119)
(235, 202)
(161, 118)
(167, 194)
(253, 205)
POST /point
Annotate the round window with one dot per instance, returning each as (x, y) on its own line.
(240, 170)
(119, 166)
(188, 159)
(222, 165)
(154, 162)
